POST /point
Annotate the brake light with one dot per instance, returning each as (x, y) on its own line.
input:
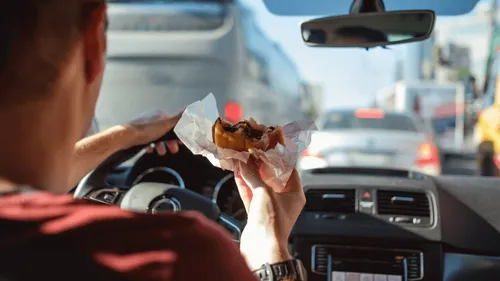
(496, 160)
(233, 112)
(369, 113)
(308, 153)
(427, 155)
(311, 160)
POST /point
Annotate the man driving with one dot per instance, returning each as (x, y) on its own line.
(51, 66)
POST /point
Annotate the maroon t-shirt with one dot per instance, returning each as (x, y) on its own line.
(53, 237)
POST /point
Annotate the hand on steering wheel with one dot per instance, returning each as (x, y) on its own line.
(148, 128)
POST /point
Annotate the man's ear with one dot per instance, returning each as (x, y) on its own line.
(94, 39)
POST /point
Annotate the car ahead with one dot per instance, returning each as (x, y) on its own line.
(371, 138)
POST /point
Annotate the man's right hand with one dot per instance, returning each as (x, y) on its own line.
(271, 216)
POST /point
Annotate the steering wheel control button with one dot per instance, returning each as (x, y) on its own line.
(106, 196)
(165, 205)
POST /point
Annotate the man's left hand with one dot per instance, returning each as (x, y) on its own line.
(150, 127)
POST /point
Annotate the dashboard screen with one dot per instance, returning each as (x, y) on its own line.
(364, 270)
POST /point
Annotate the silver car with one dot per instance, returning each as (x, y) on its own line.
(371, 138)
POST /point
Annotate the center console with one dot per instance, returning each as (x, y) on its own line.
(369, 228)
(358, 261)
(386, 264)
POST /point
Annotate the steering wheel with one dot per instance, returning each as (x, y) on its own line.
(149, 197)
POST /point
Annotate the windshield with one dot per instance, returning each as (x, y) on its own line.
(353, 121)
(168, 54)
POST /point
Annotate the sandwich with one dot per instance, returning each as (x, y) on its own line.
(245, 135)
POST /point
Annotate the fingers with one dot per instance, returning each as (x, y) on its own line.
(161, 147)
(294, 184)
(250, 174)
(173, 146)
(244, 190)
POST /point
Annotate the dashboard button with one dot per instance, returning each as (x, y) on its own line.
(379, 277)
(367, 195)
(365, 277)
(338, 276)
(413, 275)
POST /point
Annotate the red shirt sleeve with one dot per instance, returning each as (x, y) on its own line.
(50, 237)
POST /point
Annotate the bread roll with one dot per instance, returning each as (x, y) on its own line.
(245, 135)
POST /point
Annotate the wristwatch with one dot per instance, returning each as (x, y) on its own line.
(290, 270)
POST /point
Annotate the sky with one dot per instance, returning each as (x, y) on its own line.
(350, 77)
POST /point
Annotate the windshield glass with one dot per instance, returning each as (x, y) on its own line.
(350, 120)
(168, 54)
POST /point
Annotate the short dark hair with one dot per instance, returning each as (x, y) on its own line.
(37, 36)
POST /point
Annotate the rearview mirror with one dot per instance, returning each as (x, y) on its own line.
(368, 30)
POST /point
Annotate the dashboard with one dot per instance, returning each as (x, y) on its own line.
(186, 170)
(443, 228)
(366, 224)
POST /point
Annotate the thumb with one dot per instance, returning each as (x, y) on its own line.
(250, 174)
(171, 121)
(163, 123)
(294, 184)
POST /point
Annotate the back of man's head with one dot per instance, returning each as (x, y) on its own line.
(52, 56)
(37, 37)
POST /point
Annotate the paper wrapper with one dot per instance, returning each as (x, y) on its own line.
(194, 129)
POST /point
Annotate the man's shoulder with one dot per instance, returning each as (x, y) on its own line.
(60, 213)
(57, 233)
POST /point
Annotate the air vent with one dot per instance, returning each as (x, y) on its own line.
(360, 171)
(403, 203)
(333, 200)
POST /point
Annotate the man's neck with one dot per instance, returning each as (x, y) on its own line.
(7, 186)
(32, 150)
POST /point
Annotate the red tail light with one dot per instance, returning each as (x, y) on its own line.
(309, 153)
(233, 112)
(496, 160)
(305, 152)
(369, 113)
(427, 155)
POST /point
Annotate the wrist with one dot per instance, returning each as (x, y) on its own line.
(272, 253)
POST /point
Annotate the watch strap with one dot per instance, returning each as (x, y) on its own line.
(292, 270)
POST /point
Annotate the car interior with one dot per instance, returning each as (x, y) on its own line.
(380, 221)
